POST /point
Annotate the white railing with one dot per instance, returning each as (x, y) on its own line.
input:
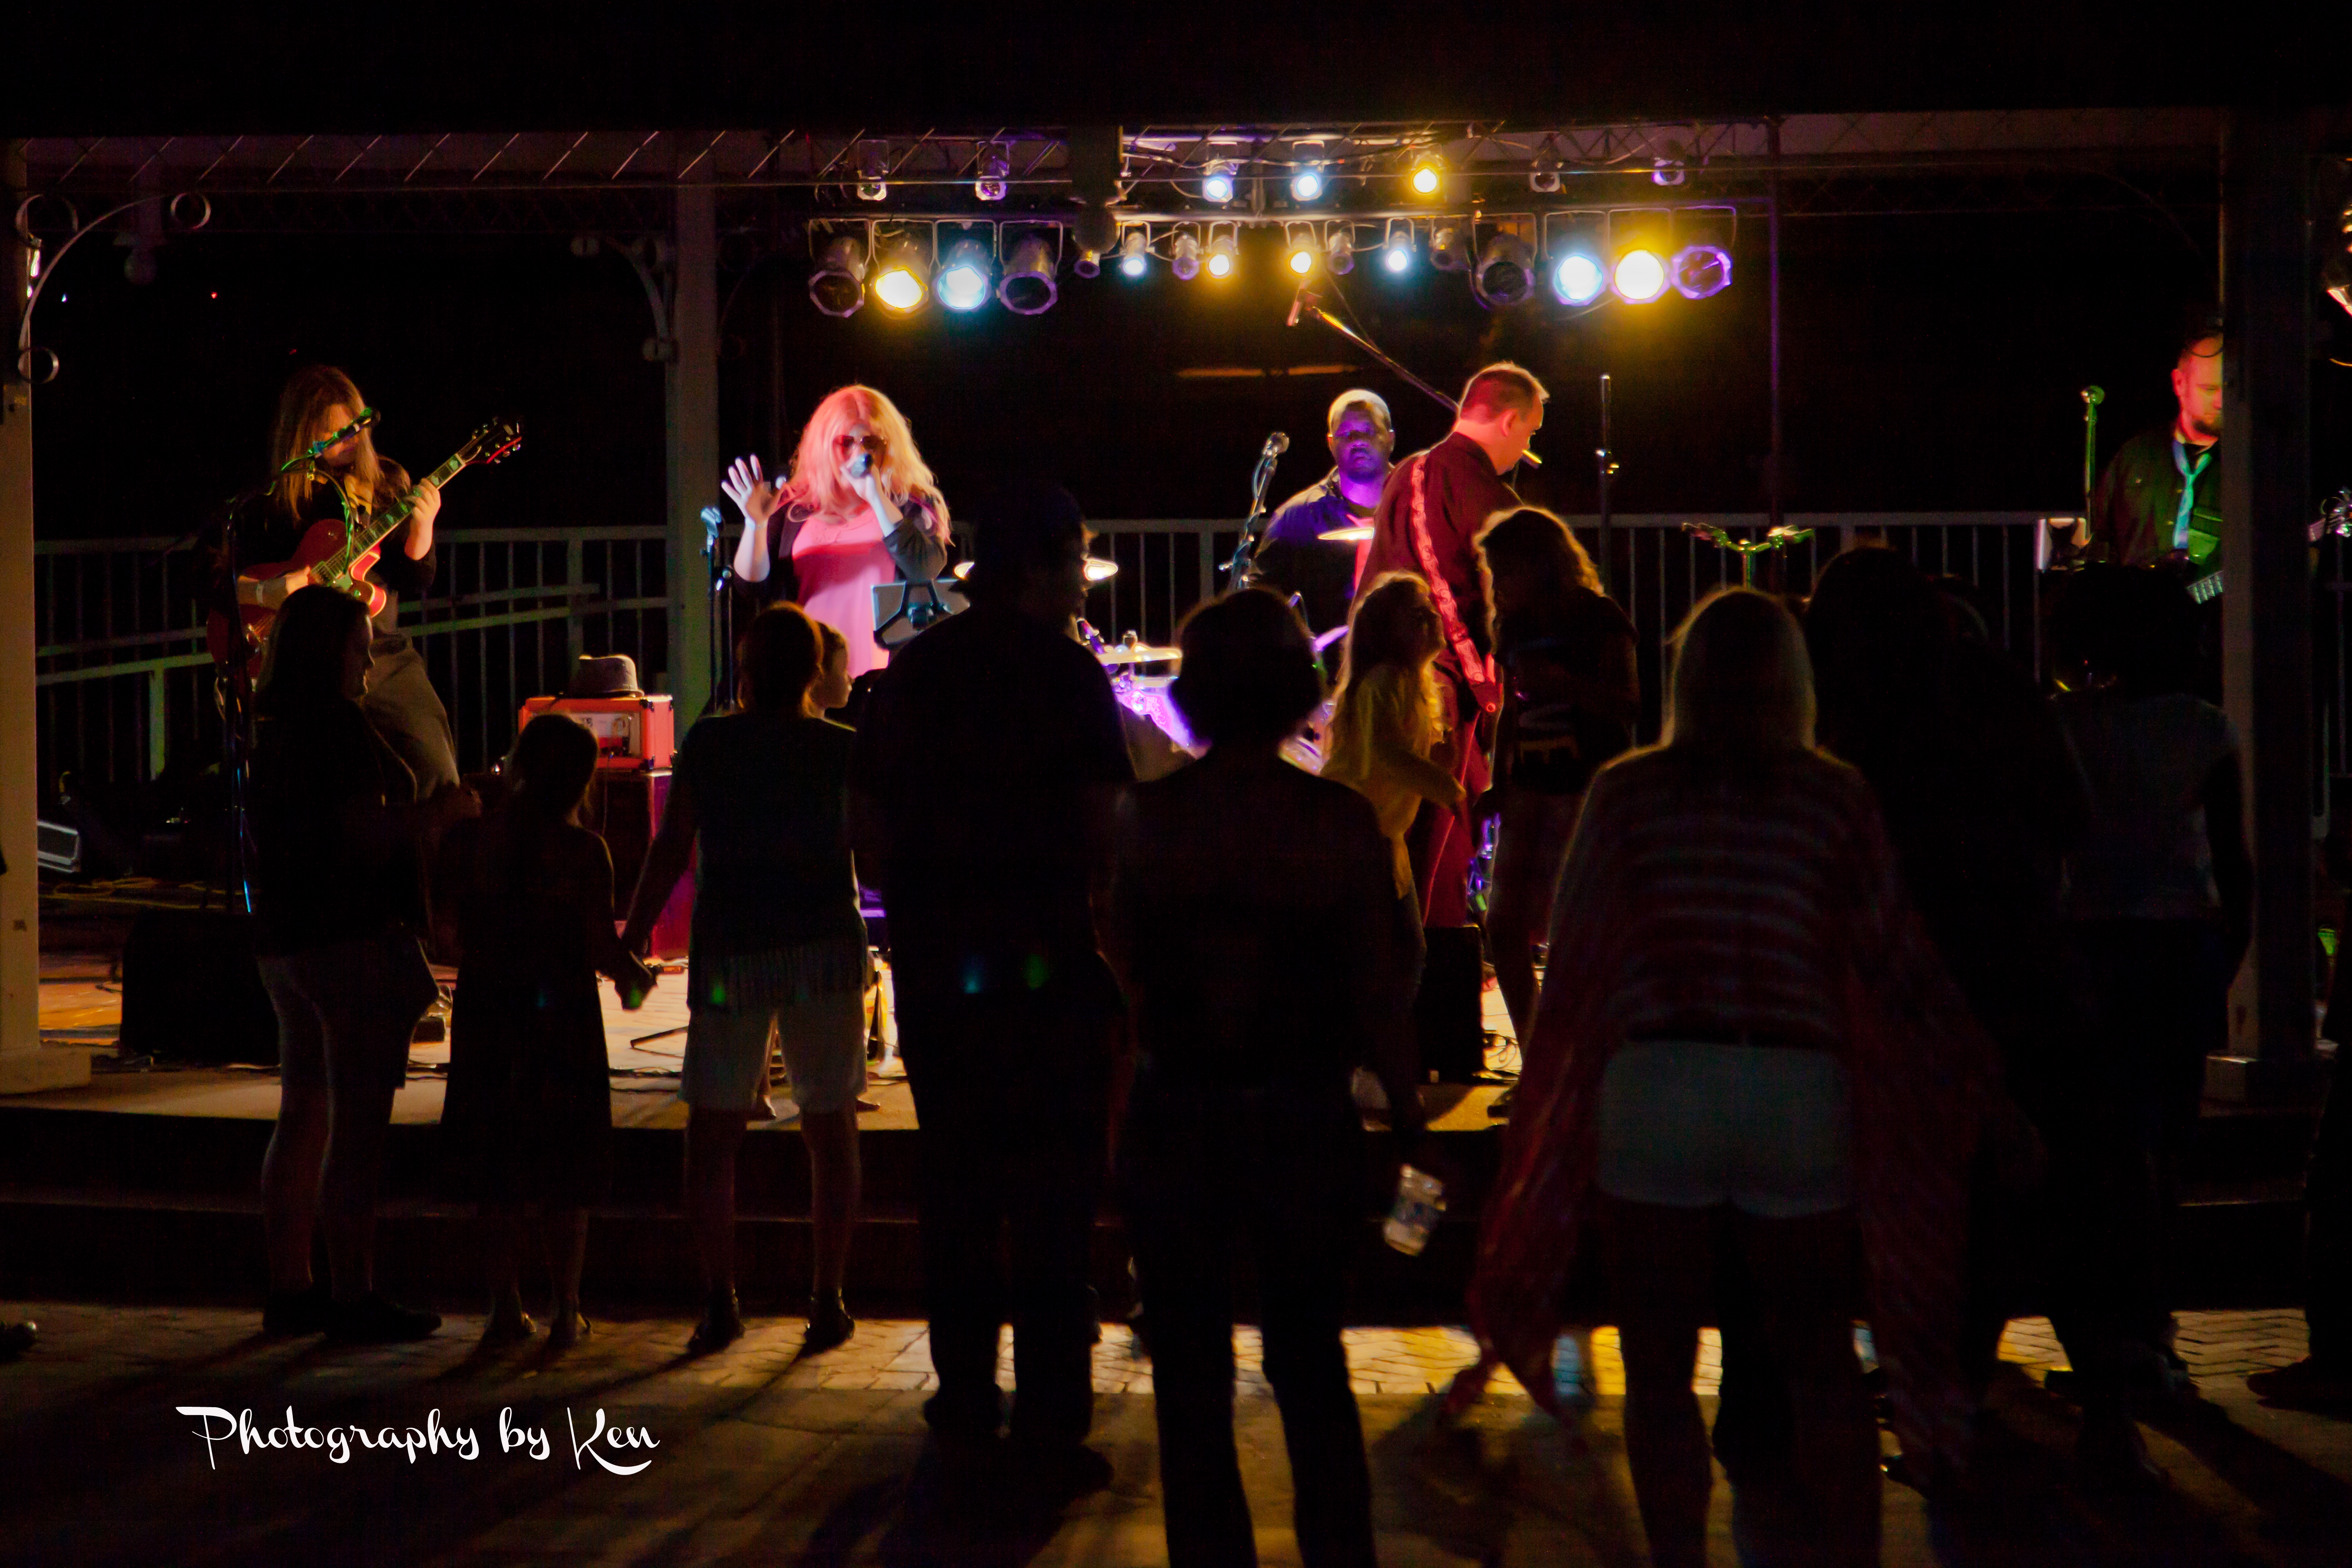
(126, 691)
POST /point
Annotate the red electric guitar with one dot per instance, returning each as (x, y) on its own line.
(340, 555)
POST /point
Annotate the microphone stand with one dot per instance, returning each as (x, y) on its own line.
(722, 572)
(1238, 568)
(1606, 462)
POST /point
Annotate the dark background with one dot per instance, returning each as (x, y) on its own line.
(1932, 363)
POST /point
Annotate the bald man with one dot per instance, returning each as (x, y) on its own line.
(2159, 498)
(1291, 559)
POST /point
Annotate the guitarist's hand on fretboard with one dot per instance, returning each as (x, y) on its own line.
(425, 506)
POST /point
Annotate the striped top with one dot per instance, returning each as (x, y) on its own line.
(1767, 904)
(1738, 904)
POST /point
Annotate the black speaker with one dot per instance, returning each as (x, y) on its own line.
(191, 992)
(1447, 1014)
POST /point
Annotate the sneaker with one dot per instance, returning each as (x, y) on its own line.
(2309, 1384)
(829, 1325)
(722, 1325)
(570, 1327)
(1055, 1474)
(373, 1320)
(288, 1313)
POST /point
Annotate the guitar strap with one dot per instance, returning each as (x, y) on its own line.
(1477, 668)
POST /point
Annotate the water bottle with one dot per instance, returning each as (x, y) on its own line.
(1420, 1199)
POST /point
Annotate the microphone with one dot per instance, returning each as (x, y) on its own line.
(336, 437)
(1276, 445)
(1304, 300)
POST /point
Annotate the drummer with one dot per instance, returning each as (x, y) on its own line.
(1293, 558)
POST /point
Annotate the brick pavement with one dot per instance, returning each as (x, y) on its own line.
(764, 1455)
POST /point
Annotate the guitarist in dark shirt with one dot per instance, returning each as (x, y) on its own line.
(401, 702)
(2140, 515)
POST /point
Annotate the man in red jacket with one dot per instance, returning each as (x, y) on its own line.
(1433, 506)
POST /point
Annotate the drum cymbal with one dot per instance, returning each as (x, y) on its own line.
(1355, 535)
(1141, 653)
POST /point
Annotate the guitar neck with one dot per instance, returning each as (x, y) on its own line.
(365, 536)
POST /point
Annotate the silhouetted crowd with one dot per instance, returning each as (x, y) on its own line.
(1877, 991)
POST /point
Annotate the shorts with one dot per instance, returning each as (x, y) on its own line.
(347, 1011)
(736, 999)
(1692, 1124)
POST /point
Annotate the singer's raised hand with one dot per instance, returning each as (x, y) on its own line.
(754, 493)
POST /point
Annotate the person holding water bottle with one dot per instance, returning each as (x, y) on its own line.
(1258, 982)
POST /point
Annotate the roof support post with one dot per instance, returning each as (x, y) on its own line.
(2266, 630)
(25, 1064)
(691, 382)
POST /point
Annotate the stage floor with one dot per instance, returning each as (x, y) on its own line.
(81, 1007)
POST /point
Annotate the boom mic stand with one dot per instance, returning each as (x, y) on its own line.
(1307, 302)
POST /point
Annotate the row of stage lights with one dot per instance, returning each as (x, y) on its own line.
(1636, 257)
(1222, 179)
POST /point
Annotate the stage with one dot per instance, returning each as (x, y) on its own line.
(142, 1185)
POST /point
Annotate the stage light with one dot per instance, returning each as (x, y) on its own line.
(838, 286)
(1447, 252)
(963, 281)
(872, 166)
(1428, 176)
(1340, 251)
(1702, 266)
(1639, 276)
(1307, 185)
(1505, 273)
(1577, 278)
(1185, 262)
(1217, 184)
(901, 278)
(1701, 270)
(1544, 178)
(1396, 250)
(1299, 250)
(1027, 286)
(1132, 253)
(993, 169)
(1222, 256)
(1575, 244)
(1088, 264)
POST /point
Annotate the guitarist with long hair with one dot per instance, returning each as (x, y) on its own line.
(401, 702)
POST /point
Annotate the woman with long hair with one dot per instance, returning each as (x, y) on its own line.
(338, 897)
(1570, 695)
(319, 400)
(526, 901)
(1388, 739)
(859, 509)
(1747, 1063)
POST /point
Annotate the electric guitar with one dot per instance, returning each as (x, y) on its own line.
(2204, 531)
(338, 554)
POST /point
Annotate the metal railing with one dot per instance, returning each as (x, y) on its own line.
(126, 690)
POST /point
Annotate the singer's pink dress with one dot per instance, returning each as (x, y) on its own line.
(840, 561)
